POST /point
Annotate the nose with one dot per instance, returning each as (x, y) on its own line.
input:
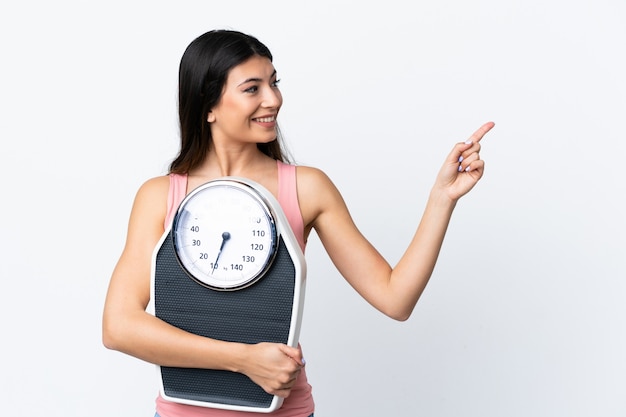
(272, 98)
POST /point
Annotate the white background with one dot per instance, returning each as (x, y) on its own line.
(525, 314)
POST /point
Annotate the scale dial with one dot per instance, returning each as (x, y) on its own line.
(225, 235)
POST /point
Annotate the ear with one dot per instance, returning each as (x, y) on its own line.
(210, 117)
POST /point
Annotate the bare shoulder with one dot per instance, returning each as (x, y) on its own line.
(314, 183)
(150, 205)
(152, 193)
(312, 177)
(154, 187)
(316, 193)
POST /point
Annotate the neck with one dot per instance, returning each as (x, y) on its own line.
(245, 161)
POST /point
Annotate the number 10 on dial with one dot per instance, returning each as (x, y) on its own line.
(225, 235)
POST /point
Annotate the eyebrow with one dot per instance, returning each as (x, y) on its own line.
(250, 80)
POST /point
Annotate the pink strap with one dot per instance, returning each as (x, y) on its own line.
(175, 196)
(288, 200)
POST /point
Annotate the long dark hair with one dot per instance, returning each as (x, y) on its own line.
(202, 74)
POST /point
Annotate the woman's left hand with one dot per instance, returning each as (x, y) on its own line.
(463, 166)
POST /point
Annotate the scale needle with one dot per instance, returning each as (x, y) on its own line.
(225, 237)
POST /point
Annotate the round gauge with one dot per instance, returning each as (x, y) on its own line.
(225, 235)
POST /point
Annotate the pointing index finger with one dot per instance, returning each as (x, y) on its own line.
(482, 131)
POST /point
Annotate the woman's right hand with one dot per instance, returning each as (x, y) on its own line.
(463, 167)
(274, 367)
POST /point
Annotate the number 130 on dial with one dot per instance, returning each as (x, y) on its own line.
(225, 235)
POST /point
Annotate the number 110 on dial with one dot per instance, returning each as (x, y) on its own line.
(225, 235)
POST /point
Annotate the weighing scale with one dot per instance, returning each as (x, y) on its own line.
(230, 268)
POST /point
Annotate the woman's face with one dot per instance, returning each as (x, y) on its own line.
(247, 110)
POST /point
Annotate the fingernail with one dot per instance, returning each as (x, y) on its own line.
(303, 361)
(461, 168)
(460, 159)
(467, 169)
(467, 142)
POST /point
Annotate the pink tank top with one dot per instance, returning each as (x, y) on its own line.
(300, 401)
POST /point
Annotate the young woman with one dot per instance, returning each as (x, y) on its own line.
(228, 106)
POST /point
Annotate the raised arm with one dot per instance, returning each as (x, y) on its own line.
(393, 291)
(127, 326)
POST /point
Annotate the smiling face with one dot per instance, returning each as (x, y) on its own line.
(249, 105)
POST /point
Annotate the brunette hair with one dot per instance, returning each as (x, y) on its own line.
(203, 70)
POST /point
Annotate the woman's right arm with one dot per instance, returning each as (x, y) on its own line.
(128, 328)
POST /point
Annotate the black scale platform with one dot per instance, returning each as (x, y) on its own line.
(259, 313)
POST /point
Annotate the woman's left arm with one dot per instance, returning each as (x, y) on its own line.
(393, 291)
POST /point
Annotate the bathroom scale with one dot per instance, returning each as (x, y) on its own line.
(228, 267)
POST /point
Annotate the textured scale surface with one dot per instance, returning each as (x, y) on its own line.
(259, 313)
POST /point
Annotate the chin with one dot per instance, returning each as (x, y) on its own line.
(269, 140)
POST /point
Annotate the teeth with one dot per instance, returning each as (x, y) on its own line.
(266, 119)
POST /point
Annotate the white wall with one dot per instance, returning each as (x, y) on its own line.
(525, 314)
